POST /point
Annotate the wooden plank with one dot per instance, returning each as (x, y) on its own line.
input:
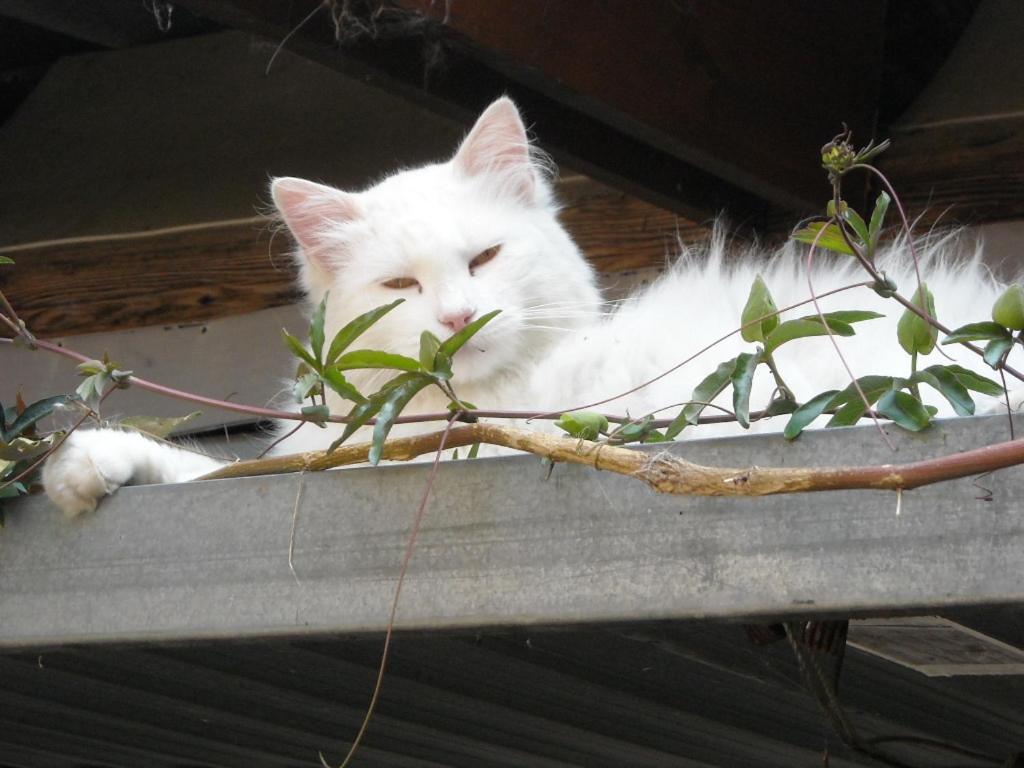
(197, 273)
(965, 172)
(504, 544)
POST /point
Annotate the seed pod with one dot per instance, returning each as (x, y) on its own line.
(914, 332)
(1009, 308)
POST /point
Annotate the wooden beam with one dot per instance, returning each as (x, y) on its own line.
(674, 102)
(695, 80)
(960, 173)
(200, 272)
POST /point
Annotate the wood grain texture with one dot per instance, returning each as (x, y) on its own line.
(199, 273)
(964, 173)
(745, 90)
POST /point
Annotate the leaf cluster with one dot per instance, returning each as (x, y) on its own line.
(320, 369)
(21, 444)
(100, 375)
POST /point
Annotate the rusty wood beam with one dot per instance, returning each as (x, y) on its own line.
(197, 273)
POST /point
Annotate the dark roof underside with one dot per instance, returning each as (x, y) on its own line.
(678, 694)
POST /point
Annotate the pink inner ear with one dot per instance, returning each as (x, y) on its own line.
(497, 146)
(311, 209)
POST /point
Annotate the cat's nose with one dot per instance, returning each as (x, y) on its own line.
(456, 321)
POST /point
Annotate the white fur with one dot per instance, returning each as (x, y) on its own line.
(551, 348)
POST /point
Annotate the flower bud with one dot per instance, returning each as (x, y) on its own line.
(1009, 308)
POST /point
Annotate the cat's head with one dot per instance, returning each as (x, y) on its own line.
(455, 240)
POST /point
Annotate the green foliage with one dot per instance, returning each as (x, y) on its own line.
(6, 260)
(742, 379)
(760, 304)
(100, 375)
(21, 445)
(983, 331)
(830, 237)
(916, 335)
(875, 227)
(1009, 308)
(996, 351)
(840, 323)
(705, 392)
(586, 425)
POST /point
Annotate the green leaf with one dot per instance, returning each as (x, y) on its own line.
(317, 414)
(305, 385)
(442, 366)
(23, 448)
(807, 413)
(831, 239)
(429, 346)
(759, 305)
(710, 388)
(390, 409)
(454, 343)
(586, 425)
(973, 381)
(32, 414)
(996, 349)
(91, 367)
(6, 260)
(984, 331)
(851, 217)
(849, 316)
(780, 406)
(300, 351)
(363, 411)
(877, 219)
(851, 407)
(947, 384)
(916, 334)
(803, 327)
(316, 329)
(337, 381)
(742, 379)
(631, 431)
(370, 358)
(352, 331)
(474, 451)
(159, 426)
(9, 492)
(904, 409)
(91, 390)
(856, 224)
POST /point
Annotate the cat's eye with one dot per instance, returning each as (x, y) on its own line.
(483, 257)
(400, 283)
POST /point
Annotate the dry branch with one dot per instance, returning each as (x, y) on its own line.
(662, 472)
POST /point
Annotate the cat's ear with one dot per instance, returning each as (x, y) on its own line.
(313, 211)
(497, 148)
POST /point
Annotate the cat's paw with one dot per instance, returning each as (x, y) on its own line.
(81, 472)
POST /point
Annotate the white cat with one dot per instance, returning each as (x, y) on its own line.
(480, 232)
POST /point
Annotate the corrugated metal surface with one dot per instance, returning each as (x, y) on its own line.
(680, 694)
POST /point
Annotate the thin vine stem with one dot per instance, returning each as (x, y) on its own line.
(271, 413)
(409, 547)
(835, 344)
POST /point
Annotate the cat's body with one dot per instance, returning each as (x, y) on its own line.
(480, 232)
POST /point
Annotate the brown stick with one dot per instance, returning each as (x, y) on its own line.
(662, 472)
